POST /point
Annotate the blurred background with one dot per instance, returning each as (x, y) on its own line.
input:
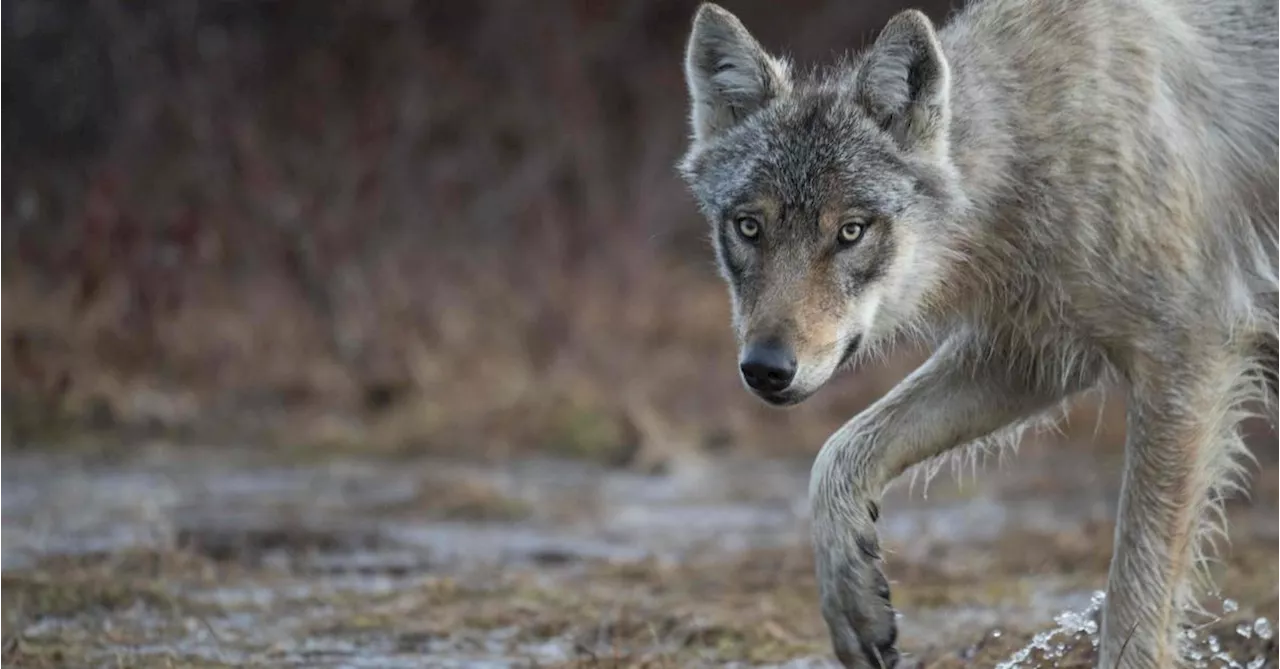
(383, 224)
(252, 245)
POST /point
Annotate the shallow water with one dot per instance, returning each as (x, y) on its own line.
(318, 546)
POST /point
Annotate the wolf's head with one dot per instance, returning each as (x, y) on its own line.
(827, 194)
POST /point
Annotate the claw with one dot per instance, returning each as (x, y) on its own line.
(879, 656)
(857, 604)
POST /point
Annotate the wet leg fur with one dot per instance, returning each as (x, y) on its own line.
(975, 386)
(1183, 457)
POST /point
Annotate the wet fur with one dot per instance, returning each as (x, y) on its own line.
(1064, 195)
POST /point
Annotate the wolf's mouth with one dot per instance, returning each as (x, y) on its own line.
(849, 350)
(782, 399)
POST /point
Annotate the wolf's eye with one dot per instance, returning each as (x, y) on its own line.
(851, 232)
(748, 227)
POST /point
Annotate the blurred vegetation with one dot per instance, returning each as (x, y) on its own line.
(378, 224)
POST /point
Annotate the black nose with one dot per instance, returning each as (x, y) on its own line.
(768, 367)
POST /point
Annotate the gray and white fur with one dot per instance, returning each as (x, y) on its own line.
(1057, 194)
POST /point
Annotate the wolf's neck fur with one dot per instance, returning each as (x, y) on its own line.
(984, 151)
(982, 139)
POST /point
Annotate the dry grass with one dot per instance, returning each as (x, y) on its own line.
(263, 586)
(756, 608)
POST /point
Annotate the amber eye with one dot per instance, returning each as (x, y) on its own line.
(851, 232)
(748, 227)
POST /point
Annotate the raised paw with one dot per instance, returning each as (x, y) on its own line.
(856, 601)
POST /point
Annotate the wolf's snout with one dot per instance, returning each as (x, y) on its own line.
(768, 367)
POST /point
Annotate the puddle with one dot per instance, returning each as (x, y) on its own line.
(362, 564)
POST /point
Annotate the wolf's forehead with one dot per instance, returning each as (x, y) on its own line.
(817, 141)
(814, 150)
(812, 166)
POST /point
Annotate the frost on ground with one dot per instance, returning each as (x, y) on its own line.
(221, 558)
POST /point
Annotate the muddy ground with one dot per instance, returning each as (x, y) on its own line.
(195, 557)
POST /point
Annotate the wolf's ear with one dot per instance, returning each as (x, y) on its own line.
(905, 83)
(728, 73)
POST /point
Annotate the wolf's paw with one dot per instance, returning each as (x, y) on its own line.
(855, 600)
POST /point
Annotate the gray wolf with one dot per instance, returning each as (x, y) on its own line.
(1057, 196)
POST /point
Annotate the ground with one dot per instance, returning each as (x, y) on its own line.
(204, 557)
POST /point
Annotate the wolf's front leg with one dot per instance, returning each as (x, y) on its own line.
(1180, 455)
(968, 389)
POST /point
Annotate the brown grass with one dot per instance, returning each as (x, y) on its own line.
(757, 607)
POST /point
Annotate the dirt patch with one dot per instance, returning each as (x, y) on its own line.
(460, 499)
(252, 545)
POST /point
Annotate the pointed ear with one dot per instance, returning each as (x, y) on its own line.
(728, 73)
(905, 84)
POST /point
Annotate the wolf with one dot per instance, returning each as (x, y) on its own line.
(1056, 196)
